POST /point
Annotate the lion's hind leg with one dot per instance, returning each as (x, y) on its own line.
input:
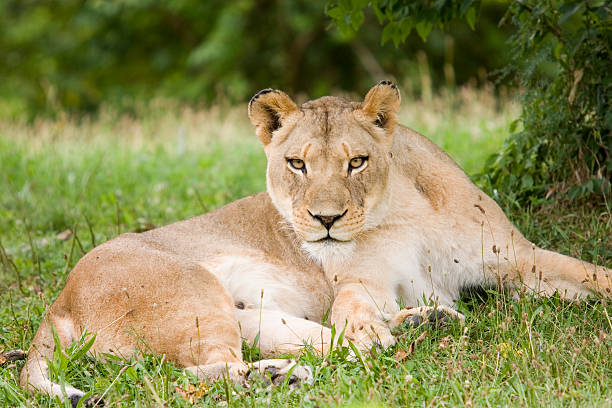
(206, 339)
(546, 272)
(35, 375)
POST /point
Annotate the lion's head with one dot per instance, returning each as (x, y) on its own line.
(328, 164)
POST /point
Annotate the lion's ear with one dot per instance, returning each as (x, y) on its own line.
(268, 109)
(381, 105)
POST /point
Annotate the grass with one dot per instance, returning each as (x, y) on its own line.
(115, 174)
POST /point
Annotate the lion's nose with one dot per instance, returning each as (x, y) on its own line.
(328, 220)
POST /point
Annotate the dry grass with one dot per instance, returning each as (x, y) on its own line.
(469, 124)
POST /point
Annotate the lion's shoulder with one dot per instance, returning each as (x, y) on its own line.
(434, 174)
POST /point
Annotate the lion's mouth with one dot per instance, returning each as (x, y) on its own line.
(328, 240)
(329, 249)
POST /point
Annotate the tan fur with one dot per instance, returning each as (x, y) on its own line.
(408, 225)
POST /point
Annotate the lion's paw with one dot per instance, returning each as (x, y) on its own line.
(275, 371)
(432, 316)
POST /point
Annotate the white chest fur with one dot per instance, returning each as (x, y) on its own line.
(425, 266)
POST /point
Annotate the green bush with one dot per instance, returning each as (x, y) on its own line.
(563, 60)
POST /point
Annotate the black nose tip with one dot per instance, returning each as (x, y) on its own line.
(328, 220)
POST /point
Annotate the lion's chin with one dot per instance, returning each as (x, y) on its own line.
(326, 251)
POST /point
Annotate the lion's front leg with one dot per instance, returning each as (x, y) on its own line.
(362, 309)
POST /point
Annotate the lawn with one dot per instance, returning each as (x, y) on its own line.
(68, 185)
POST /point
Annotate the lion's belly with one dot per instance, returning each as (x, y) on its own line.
(254, 283)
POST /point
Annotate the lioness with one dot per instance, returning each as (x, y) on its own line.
(360, 215)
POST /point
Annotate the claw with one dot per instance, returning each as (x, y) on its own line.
(414, 321)
(438, 318)
(270, 375)
(94, 401)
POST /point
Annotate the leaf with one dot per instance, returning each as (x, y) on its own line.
(514, 125)
(132, 374)
(390, 32)
(567, 11)
(336, 13)
(60, 360)
(356, 19)
(379, 14)
(358, 355)
(83, 349)
(557, 50)
(256, 340)
(340, 338)
(466, 5)
(424, 28)
(526, 181)
(470, 17)
(405, 28)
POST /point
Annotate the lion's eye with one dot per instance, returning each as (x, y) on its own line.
(297, 164)
(357, 163)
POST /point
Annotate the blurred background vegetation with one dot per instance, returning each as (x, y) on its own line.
(58, 55)
(71, 57)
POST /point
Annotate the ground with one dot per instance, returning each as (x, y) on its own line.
(67, 185)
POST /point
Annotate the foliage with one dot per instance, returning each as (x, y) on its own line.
(562, 58)
(73, 55)
(400, 17)
(563, 61)
(117, 174)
